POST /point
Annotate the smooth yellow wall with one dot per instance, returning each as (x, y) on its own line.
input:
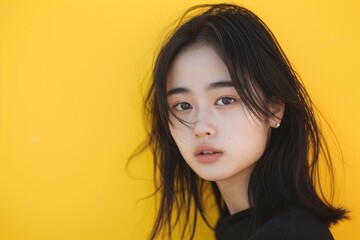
(70, 107)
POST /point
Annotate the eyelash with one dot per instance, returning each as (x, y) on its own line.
(180, 104)
(227, 98)
(188, 106)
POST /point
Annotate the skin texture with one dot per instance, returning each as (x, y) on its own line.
(217, 121)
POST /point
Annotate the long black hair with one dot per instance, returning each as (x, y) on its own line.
(287, 172)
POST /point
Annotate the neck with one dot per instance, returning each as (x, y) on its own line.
(234, 191)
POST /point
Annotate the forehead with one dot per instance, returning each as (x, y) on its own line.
(198, 64)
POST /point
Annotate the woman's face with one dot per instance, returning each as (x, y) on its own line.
(224, 139)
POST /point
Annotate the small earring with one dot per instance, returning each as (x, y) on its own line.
(277, 125)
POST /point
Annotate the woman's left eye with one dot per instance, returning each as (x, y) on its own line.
(225, 101)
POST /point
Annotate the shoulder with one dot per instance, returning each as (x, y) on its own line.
(296, 224)
(303, 225)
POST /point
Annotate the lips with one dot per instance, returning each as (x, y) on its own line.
(207, 154)
(206, 150)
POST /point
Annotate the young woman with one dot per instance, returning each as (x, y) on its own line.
(227, 109)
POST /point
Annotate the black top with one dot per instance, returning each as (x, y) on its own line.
(295, 224)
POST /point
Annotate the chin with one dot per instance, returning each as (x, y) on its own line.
(212, 177)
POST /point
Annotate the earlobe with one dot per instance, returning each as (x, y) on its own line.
(277, 108)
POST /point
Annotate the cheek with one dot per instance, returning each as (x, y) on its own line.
(180, 136)
(179, 132)
(247, 133)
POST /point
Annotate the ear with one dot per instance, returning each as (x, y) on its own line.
(277, 108)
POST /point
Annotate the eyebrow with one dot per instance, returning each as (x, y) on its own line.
(211, 86)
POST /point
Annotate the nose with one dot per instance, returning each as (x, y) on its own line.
(204, 127)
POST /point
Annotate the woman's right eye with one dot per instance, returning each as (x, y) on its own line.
(182, 106)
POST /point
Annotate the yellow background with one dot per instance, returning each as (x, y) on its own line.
(70, 107)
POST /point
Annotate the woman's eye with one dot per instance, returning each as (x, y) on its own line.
(225, 101)
(182, 106)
